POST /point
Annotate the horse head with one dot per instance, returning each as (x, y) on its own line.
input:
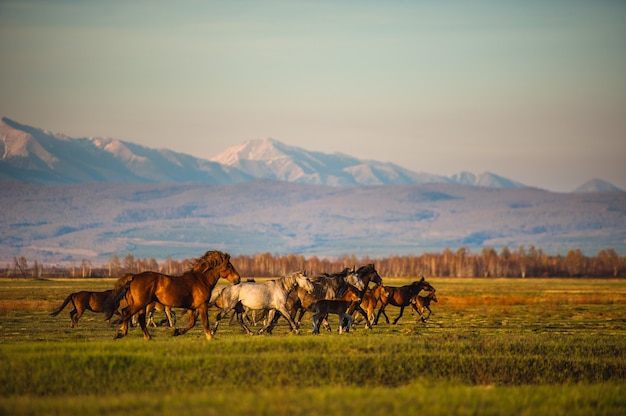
(220, 262)
(384, 293)
(304, 282)
(432, 296)
(354, 279)
(422, 284)
(368, 274)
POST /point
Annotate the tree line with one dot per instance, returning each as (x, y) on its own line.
(522, 262)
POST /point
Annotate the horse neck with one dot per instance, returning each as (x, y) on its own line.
(209, 277)
(288, 283)
(350, 293)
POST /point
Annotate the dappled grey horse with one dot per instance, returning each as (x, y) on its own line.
(271, 295)
(326, 286)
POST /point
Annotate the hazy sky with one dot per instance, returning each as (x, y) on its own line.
(531, 90)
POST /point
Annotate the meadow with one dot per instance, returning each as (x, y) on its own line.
(492, 346)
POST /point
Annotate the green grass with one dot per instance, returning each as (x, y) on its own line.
(501, 346)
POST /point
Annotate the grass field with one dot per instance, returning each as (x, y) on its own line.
(492, 346)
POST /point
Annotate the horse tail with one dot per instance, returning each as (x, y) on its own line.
(112, 303)
(65, 302)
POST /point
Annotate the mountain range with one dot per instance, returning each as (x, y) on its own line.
(65, 200)
(38, 156)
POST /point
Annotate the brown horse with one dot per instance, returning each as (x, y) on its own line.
(420, 303)
(401, 297)
(339, 306)
(373, 299)
(86, 301)
(191, 291)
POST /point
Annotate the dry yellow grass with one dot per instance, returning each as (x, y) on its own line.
(7, 307)
(546, 299)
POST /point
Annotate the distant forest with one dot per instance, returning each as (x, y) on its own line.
(489, 262)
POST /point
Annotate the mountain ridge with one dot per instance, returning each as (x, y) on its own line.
(34, 155)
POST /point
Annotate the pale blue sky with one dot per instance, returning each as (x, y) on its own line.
(531, 90)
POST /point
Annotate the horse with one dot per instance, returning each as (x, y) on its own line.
(374, 298)
(339, 306)
(420, 303)
(86, 301)
(191, 291)
(325, 286)
(271, 295)
(401, 297)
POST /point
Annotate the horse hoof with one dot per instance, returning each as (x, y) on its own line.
(118, 334)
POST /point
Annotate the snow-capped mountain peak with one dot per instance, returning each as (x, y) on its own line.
(117, 148)
(272, 159)
(596, 185)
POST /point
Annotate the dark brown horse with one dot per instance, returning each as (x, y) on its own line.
(338, 306)
(401, 297)
(86, 301)
(191, 291)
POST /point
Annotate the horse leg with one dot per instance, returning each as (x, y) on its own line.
(381, 310)
(73, 320)
(204, 314)
(341, 315)
(232, 317)
(316, 323)
(420, 311)
(326, 324)
(192, 322)
(218, 318)
(126, 316)
(300, 314)
(285, 313)
(141, 317)
(359, 309)
(399, 316)
(151, 317)
(270, 318)
(240, 319)
(78, 314)
(240, 311)
(350, 321)
(386, 317)
(171, 316)
(272, 322)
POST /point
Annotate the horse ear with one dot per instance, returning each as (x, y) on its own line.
(422, 279)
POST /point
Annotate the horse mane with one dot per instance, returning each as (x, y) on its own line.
(342, 274)
(111, 304)
(122, 281)
(366, 268)
(210, 259)
(289, 279)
